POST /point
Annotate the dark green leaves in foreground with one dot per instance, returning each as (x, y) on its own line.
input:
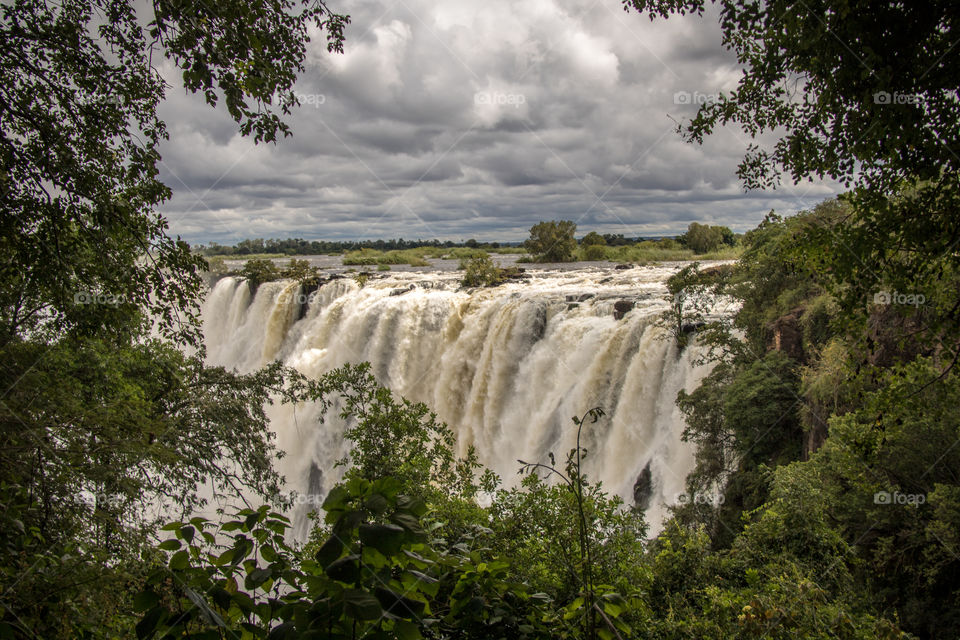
(376, 575)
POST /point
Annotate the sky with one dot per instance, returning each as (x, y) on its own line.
(463, 119)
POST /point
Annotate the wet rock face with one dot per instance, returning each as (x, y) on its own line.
(401, 291)
(621, 308)
(787, 335)
(692, 327)
(643, 488)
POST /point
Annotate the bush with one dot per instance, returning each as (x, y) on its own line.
(480, 272)
(594, 252)
(299, 270)
(258, 271)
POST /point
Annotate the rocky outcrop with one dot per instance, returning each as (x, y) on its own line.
(622, 308)
(787, 334)
(643, 488)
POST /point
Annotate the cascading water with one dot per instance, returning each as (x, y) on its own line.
(505, 367)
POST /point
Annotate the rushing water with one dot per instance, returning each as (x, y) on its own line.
(505, 367)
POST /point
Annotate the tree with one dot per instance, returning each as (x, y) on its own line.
(703, 238)
(104, 418)
(79, 134)
(552, 241)
(258, 271)
(592, 238)
(863, 93)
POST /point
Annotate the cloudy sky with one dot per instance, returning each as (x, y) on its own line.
(465, 119)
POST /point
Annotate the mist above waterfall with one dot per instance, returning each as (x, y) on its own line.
(506, 367)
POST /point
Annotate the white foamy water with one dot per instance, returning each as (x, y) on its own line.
(505, 367)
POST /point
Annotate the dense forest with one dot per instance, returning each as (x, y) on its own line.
(826, 498)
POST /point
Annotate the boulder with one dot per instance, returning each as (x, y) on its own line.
(621, 308)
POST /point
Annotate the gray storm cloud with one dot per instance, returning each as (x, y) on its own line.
(463, 119)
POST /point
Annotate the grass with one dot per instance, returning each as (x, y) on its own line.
(369, 257)
(646, 252)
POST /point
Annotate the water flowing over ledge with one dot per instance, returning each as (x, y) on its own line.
(505, 367)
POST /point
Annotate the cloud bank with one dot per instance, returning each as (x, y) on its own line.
(460, 120)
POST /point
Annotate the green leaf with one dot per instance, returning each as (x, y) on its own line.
(336, 499)
(346, 569)
(385, 538)
(329, 552)
(150, 622)
(145, 600)
(398, 604)
(376, 504)
(256, 578)
(180, 561)
(405, 630)
(169, 545)
(361, 605)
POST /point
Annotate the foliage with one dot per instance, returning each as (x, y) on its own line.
(258, 271)
(80, 129)
(480, 272)
(396, 438)
(592, 238)
(592, 596)
(552, 241)
(594, 252)
(299, 270)
(369, 257)
(702, 238)
(377, 575)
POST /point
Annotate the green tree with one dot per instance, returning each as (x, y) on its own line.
(80, 133)
(552, 241)
(299, 270)
(703, 238)
(258, 271)
(592, 238)
(480, 271)
(101, 421)
(863, 93)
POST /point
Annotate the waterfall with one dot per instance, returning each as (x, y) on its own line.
(506, 367)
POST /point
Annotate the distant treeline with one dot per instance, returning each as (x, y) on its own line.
(299, 246)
